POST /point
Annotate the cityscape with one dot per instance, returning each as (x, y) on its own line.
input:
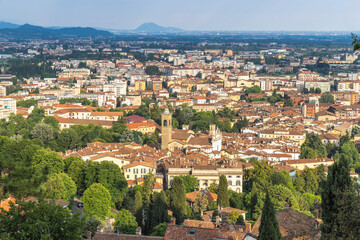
(190, 131)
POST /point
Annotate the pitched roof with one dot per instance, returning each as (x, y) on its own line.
(293, 224)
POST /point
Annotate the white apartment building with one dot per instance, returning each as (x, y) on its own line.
(7, 106)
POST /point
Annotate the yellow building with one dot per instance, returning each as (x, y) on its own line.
(301, 164)
(140, 85)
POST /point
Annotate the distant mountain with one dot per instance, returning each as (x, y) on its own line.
(28, 31)
(8, 25)
(154, 28)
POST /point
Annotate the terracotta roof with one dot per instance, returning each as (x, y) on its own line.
(111, 114)
(292, 225)
(83, 121)
(192, 196)
(139, 125)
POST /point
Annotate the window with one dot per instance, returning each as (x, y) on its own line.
(229, 183)
(237, 183)
(127, 176)
(191, 232)
(135, 177)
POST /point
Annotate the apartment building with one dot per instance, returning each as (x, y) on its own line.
(7, 106)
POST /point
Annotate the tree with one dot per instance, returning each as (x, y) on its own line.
(90, 225)
(340, 205)
(53, 122)
(288, 103)
(152, 70)
(326, 98)
(125, 222)
(127, 136)
(76, 171)
(97, 201)
(240, 221)
(313, 147)
(111, 177)
(269, 226)
(178, 199)
(159, 230)
(310, 178)
(159, 209)
(43, 220)
(45, 163)
(212, 205)
(191, 183)
(58, 187)
(138, 205)
(233, 217)
(223, 197)
(68, 139)
(200, 203)
(254, 89)
(214, 215)
(149, 182)
(43, 132)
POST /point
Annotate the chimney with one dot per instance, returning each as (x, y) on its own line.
(88, 235)
(217, 220)
(138, 231)
(173, 221)
(248, 227)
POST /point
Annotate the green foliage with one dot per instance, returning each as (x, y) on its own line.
(125, 222)
(191, 183)
(97, 201)
(138, 205)
(43, 220)
(212, 205)
(58, 187)
(27, 103)
(340, 205)
(90, 225)
(159, 230)
(327, 98)
(83, 101)
(152, 70)
(43, 132)
(110, 176)
(236, 199)
(233, 217)
(288, 103)
(223, 197)
(254, 89)
(26, 68)
(177, 199)
(148, 186)
(200, 203)
(240, 221)
(269, 226)
(159, 209)
(76, 171)
(45, 163)
(239, 125)
(313, 147)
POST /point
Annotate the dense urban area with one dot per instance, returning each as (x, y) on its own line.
(180, 136)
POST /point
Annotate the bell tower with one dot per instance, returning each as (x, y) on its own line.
(166, 121)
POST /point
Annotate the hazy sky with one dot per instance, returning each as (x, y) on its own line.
(318, 15)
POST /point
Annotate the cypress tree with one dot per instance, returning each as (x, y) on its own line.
(223, 197)
(340, 205)
(159, 210)
(178, 199)
(138, 208)
(269, 226)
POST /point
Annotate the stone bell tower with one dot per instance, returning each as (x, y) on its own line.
(166, 121)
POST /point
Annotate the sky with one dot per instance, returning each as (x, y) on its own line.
(216, 15)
